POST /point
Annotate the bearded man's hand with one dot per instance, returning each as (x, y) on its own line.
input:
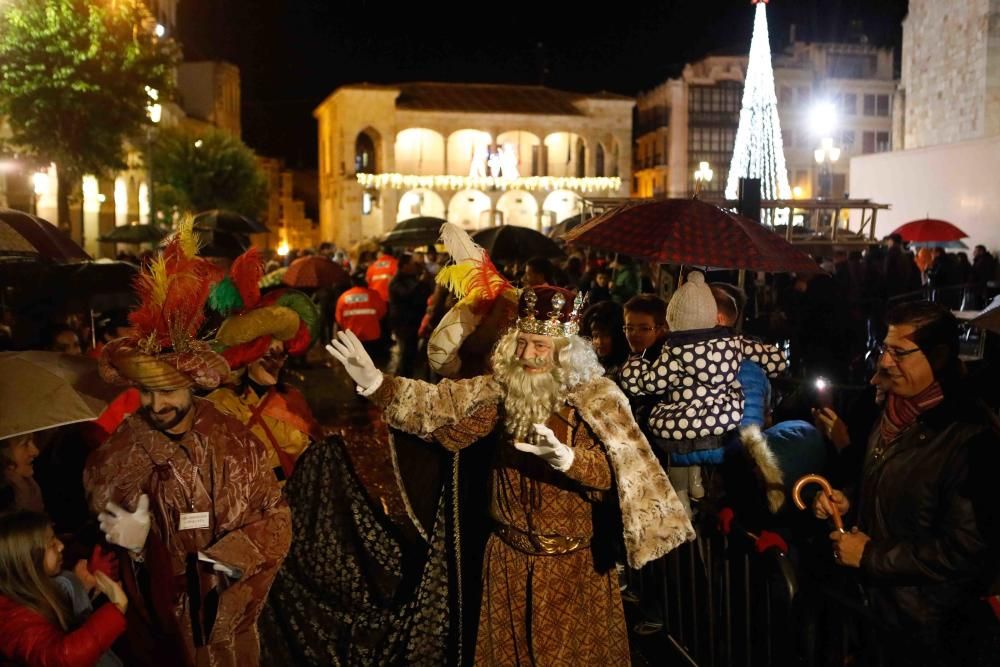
(553, 452)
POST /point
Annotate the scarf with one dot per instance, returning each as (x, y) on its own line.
(900, 412)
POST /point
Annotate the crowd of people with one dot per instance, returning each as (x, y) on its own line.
(585, 417)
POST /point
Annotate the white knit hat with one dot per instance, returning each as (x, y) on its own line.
(693, 305)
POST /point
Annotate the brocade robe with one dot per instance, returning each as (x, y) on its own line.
(217, 467)
(549, 598)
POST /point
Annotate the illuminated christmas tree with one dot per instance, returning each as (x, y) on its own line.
(758, 152)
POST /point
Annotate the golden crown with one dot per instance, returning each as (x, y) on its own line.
(557, 322)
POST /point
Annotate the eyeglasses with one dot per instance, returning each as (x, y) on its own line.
(628, 329)
(894, 353)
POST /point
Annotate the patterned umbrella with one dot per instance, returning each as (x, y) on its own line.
(929, 229)
(314, 272)
(688, 231)
(25, 236)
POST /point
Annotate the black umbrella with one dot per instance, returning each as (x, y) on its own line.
(565, 225)
(414, 232)
(222, 244)
(152, 234)
(510, 242)
(218, 220)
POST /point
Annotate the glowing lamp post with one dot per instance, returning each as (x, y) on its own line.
(702, 176)
(826, 155)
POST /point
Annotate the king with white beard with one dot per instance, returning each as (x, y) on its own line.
(572, 452)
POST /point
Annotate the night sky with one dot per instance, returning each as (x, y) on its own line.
(293, 53)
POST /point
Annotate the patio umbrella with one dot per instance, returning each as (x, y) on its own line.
(693, 232)
(929, 229)
(314, 272)
(218, 220)
(414, 232)
(511, 242)
(151, 234)
(40, 390)
(23, 235)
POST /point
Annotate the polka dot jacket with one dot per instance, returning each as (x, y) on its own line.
(695, 373)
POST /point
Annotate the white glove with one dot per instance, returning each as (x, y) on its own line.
(231, 572)
(348, 350)
(553, 452)
(126, 529)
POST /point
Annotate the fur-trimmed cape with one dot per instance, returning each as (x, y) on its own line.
(652, 516)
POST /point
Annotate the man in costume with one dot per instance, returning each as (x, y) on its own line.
(185, 489)
(569, 448)
(256, 339)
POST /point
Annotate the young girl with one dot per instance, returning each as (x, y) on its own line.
(40, 624)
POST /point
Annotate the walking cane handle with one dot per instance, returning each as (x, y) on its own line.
(804, 481)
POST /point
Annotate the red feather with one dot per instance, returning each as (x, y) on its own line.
(246, 272)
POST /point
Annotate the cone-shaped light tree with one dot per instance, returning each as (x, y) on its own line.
(758, 152)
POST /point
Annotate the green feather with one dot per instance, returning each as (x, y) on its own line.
(225, 298)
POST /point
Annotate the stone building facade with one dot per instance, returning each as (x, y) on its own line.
(476, 155)
(950, 87)
(693, 118)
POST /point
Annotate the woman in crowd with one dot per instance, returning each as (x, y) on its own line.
(45, 614)
(18, 488)
(604, 324)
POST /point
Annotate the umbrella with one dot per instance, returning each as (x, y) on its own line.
(989, 318)
(689, 231)
(948, 245)
(134, 234)
(218, 220)
(414, 232)
(566, 225)
(40, 390)
(273, 279)
(314, 272)
(511, 242)
(222, 244)
(929, 229)
(23, 235)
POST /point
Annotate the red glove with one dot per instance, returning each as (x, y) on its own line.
(103, 561)
(769, 540)
(726, 516)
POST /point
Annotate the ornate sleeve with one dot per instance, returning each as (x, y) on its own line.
(591, 467)
(770, 358)
(423, 409)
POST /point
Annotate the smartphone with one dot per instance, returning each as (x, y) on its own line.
(822, 393)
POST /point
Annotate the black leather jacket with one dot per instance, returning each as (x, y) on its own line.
(927, 504)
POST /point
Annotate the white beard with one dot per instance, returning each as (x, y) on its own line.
(530, 398)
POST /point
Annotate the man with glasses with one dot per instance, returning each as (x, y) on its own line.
(645, 322)
(924, 535)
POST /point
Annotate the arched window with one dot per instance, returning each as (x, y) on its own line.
(364, 155)
(581, 159)
(599, 161)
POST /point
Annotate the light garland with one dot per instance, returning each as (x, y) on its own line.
(759, 151)
(527, 183)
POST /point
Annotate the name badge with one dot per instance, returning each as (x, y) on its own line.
(192, 520)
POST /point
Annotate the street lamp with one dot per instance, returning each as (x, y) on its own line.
(155, 112)
(702, 176)
(826, 155)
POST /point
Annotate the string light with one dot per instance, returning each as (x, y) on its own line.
(758, 152)
(527, 183)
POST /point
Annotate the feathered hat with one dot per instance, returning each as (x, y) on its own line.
(254, 320)
(164, 351)
(487, 304)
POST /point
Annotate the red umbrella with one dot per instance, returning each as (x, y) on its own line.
(23, 235)
(929, 229)
(313, 272)
(689, 231)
